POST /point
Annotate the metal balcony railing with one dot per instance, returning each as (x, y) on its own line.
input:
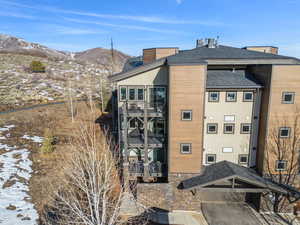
(137, 169)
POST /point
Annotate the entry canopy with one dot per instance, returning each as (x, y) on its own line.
(226, 176)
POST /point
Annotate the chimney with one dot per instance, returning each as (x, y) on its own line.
(265, 49)
(208, 42)
(200, 43)
(152, 54)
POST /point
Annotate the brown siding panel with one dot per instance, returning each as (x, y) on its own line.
(186, 92)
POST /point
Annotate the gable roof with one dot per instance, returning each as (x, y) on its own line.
(221, 52)
(204, 55)
(230, 79)
(224, 169)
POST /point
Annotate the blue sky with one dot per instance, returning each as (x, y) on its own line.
(136, 24)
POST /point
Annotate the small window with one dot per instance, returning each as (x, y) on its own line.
(229, 118)
(248, 96)
(131, 94)
(227, 150)
(212, 128)
(288, 97)
(284, 132)
(186, 115)
(245, 128)
(213, 96)
(123, 93)
(243, 159)
(210, 158)
(281, 165)
(231, 96)
(228, 128)
(186, 148)
(140, 94)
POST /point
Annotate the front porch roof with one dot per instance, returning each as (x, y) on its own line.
(229, 177)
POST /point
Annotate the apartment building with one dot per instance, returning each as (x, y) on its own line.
(181, 112)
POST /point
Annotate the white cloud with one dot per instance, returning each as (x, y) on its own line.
(132, 27)
(146, 19)
(16, 15)
(74, 31)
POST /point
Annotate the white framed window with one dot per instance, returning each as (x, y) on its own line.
(228, 128)
(231, 96)
(243, 159)
(227, 150)
(284, 132)
(229, 118)
(132, 94)
(281, 165)
(140, 94)
(213, 96)
(186, 115)
(248, 96)
(210, 158)
(123, 94)
(212, 128)
(288, 97)
(245, 128)
(186, 148)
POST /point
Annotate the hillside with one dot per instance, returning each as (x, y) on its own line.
(76, 74)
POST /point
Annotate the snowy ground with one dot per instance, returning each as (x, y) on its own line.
(15, 172)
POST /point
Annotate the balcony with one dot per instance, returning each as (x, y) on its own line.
(155, 169)
(136, 139)
(138, 109)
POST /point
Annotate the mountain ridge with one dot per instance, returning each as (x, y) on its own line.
(97, 55)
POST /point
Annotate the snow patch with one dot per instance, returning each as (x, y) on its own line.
(35, 139)
(15, 172)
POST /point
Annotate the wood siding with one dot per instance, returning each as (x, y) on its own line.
(152, 54)
(186, 92)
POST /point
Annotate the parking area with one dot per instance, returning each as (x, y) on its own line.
(229, 214)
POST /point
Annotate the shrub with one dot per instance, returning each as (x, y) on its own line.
(48, 142)
(37, 67)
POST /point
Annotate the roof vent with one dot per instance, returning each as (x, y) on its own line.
(208, 42)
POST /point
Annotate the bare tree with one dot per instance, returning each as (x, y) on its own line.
(283, 150)
(90, 192)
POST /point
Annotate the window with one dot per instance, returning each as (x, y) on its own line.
(228, 128)
(243, 159)
(227, 150)
(210, 158)
(229, 118)
(123, 93)
(248, 96)
(131, 94)
(284, 132)
(186, 115)
(140, 94)
(245, 128)
(186, 148)
(231, 96)
(288, 97)
(213, 96)
(157, 96)
(212, 128)
(281, 165)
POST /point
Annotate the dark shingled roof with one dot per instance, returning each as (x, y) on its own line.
(225, 169)
(230, 79)
(199, 54)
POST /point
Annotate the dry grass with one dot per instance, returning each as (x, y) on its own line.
(47, 167)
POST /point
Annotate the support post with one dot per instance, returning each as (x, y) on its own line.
(125, 137)
(146, 162)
